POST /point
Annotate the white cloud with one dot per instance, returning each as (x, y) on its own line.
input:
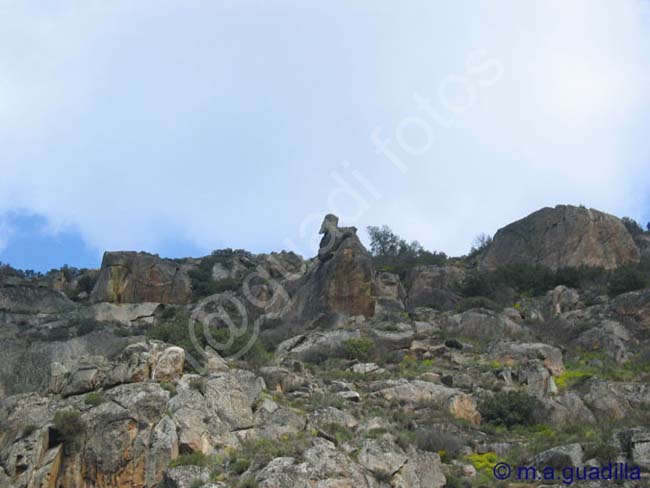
(137, 125)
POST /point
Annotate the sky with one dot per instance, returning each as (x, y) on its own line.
(179, 127)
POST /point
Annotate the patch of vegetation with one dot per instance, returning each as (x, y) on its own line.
(633, 226)
(445, 444)
(193, 459)
(260, 452)
(477, 302)
(203, 285)
(248, 482)
(28, 430)
(68, 424)
(510, 409)
(361, 349)
(175, 328)
(393, 254)
(629, 278)
(94, 399)
(170, 387)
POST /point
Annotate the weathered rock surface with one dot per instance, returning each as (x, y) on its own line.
(33, 299)
(433, 286)
(459, 404)
(130, 277)
(564, 236)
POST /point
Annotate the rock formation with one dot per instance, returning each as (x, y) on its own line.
(130, 277)
(342, 279)
(564, 236)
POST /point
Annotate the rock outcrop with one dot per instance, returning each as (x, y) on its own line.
(564, 236)
(342, 280)
(131, 277)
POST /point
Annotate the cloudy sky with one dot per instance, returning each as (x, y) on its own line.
(179, 127)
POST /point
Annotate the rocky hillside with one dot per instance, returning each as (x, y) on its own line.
(272, 371)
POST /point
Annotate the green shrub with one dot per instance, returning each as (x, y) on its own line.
(170, 387)
(68, 424)
(29, 429)
(446, 444)
(94, 399)
(361, 349)
(510, 408)
(248, 482)
(193, 459)
(239, 466)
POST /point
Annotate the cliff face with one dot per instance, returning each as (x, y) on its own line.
(130, 277)
(564, 236)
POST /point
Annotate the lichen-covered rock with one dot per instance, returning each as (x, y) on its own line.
(564, 236)
(130, 277)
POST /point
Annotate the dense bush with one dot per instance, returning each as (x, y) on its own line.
(68, 424)
(94, 399)
(510, 408)
(361, 349)
(628, 278)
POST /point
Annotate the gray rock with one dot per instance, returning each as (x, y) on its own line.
(434, 286)
(397, 336)
(512, 353)
(33, 299)
(564, 236)
(560, 457)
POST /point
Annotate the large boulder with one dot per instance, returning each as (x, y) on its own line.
(564, 236)
(342, 279)
(433, 286)
(131, 277)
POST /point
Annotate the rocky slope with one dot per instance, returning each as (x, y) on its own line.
(273, 371)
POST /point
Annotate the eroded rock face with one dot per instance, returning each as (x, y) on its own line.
(564, 236)
(342, 281)
(130, 277)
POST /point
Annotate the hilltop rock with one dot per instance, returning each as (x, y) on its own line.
(130, 277)
(564, 236)
(342, 280)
